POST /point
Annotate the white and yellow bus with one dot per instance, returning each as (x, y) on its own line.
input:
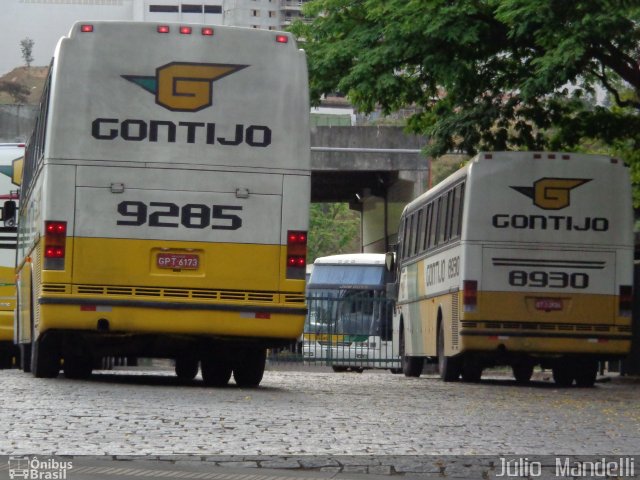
(11, 154)
(518, 259)
(165, 200)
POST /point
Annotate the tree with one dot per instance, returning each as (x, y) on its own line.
(484, 74)
(26, 46)
(333, 229)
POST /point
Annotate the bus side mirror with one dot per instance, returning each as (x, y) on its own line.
(390, 261)
(8, 215)
(391, 292)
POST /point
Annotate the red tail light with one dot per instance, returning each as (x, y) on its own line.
(207, 31)
(86, 28)
(625, 305)
(163, 29)
(185, 30)
(296, 254)
(55, 238)
(470, 295)
(282, 39)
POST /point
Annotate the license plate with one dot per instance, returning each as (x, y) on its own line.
(548, 304)
(178, 261)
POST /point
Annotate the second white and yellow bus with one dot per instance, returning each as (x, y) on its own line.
(165, 200)
(11, 156)
(519, 259)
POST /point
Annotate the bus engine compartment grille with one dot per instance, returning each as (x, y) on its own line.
(185, 293)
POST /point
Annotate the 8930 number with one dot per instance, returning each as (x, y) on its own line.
(539, 279)
(191, 215)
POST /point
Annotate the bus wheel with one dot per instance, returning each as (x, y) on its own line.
(522, 372)
(471, 369)
(338, 369)
(563, 373)
(411, 366)
(216, 371)
(585, 373)
(250, 368)
(448, 367)
(6, 360)
(45, 362)
(77, 366)
(25, 357)
(186, 368)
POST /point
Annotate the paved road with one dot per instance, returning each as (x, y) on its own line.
(375, 422)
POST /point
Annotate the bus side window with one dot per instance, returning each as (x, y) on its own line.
(418, 232)
(434, 223)
(427, 223)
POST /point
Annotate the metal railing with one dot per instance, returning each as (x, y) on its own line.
(352, 332)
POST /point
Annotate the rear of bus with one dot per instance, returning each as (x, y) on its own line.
(548, 262)
(172, 207)
(10, 153)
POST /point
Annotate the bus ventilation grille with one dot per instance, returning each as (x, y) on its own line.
(562, 327)
(185, 293)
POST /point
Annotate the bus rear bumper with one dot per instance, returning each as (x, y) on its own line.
(179, 318)
(546, 344)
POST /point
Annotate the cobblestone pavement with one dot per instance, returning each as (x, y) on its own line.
(375, 422)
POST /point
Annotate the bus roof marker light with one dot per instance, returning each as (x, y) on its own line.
(537, 156)
(86, 28)
(184, 30)
(488, 156)
(163, 29)
(207, 31)
(566, 157)
(282, 39)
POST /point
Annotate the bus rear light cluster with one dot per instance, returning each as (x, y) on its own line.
(296, 254)
(185, 30)
(470, 295)
(55, 238)
(625, 305)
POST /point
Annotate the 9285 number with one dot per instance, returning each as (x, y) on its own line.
(191, 215)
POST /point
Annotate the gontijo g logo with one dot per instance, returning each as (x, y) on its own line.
(184, 87)
(551, 193)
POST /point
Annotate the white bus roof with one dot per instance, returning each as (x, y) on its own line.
(352, 259)
(496, 157)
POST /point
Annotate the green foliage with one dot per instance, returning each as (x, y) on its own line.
(18, 92)
(333, 229)
(484, 74)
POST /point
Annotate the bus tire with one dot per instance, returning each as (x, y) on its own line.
(522, 372)
(77, 367)
(186, 368)
(249, 370)
(585, 373)
(448, 367)
(471, 369)
(411, 366)
(45, 362)
(563, 372)
(25, 357)
(216, 371)
(338, 369)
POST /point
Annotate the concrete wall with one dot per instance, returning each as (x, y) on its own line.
(16, 122)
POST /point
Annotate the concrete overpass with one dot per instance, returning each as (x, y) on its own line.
(378, 170)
